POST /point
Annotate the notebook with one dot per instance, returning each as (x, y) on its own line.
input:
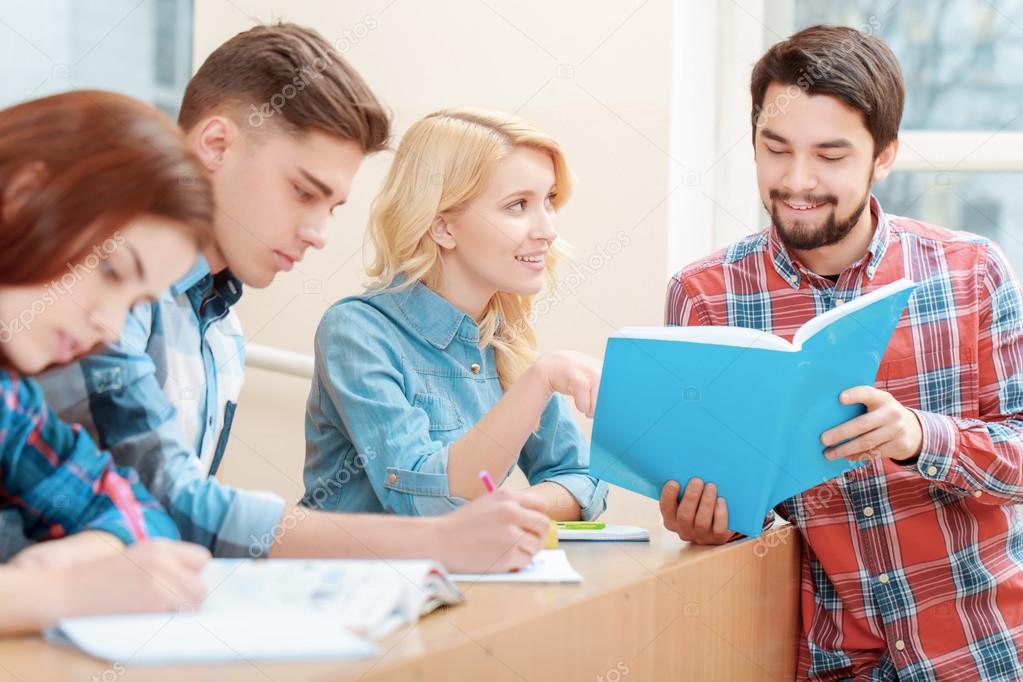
(737, 407)
(168, 638)
(273, 610)
(609, 533)
(548, 566)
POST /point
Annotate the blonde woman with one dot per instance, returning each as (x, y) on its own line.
(431, 375)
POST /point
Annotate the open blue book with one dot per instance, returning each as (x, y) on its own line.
(740, 408)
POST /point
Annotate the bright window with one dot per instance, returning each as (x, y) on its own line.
(141, 48)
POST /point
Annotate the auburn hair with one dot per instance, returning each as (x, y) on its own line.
(102, 160)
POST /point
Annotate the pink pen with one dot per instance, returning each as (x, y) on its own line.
(488, 482)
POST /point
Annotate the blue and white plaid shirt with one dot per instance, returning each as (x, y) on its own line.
(162, 400)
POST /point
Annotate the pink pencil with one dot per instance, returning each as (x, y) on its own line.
(487, 481)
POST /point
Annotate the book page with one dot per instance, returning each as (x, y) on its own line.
(369, 597)
(722, 336)
(824, 319)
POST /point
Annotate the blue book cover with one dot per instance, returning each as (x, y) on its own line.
(740, 408)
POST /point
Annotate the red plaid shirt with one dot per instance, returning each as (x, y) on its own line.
(908, 570)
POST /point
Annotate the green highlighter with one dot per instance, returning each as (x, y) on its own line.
(581, 525)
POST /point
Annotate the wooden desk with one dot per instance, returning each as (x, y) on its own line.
(657, 611)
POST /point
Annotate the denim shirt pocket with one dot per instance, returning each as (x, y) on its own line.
(441, 411)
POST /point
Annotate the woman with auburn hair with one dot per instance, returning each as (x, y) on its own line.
(432, 375)
(101, 206)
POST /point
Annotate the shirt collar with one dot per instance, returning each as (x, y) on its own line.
(882, 235)
(434, 316)
(225, 284)
(790, 271)
(195, 275)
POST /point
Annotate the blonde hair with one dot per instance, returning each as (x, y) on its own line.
(441, 164)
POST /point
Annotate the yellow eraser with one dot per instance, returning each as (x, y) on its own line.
(552, 536)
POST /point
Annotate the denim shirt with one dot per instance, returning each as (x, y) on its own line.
(400, 377)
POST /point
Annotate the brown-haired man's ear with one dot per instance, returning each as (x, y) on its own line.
(885, 160)
(210, 140)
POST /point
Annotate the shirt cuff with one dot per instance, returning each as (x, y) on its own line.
(939, 446)
(157, 525)
(113, 527)
(422, 491)
(589, 492)
(254, 523)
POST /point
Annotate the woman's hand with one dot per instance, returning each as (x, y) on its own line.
(498, 532)
(152, 576)
(572, 374)
(69, 551)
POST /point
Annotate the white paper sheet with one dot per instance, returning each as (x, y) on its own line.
(548, 566)
(609, 533)
(272, 610)
(215, 637)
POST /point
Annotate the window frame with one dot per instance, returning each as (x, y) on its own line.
(716, 202)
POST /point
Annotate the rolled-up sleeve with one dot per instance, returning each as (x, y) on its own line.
(59, 480)
(559, 453)
(359, 385)
(117, 396)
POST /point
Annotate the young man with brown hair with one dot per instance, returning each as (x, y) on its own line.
(280, 124)
(912, 563)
